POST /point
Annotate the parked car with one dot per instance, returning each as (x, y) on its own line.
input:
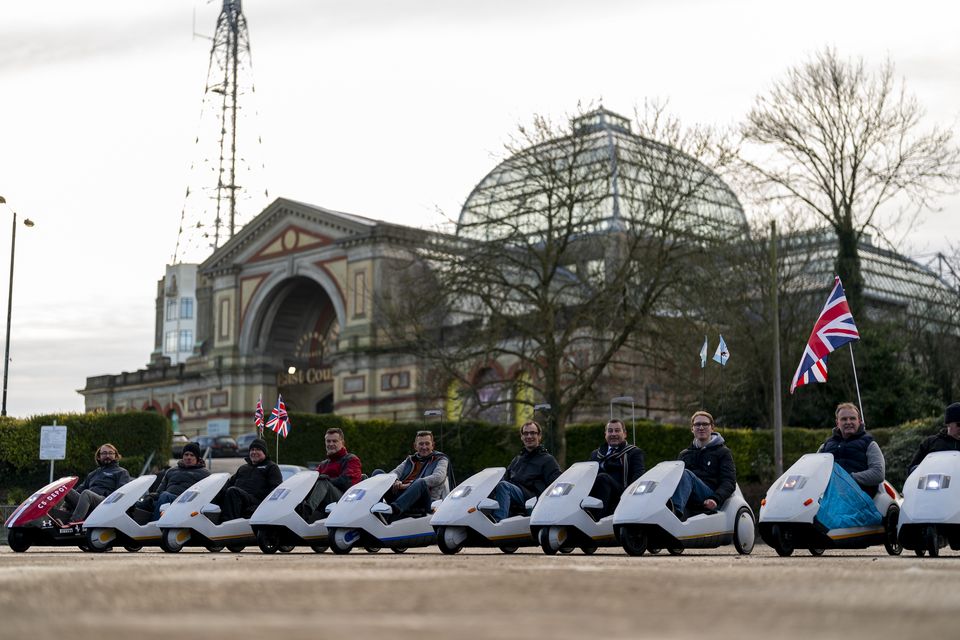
(243, 443)
(176, 445)
(287, 471)
(220, 446)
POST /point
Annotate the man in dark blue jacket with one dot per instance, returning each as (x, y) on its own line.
(528, 475)
(709, 476)
(190, 470)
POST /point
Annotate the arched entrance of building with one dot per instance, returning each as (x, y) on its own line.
(298, 338)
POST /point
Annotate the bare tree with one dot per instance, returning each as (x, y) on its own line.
(843, 142)
(565, 255)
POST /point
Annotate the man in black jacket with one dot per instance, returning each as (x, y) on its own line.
(529, 473)
(709, 477)
(252, 482)
(947, 440)
(99, 483)
(620, 464)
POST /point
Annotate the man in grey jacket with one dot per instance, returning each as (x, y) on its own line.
(421, 477)
(855, 450)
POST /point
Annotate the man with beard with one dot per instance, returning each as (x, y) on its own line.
(99, 483)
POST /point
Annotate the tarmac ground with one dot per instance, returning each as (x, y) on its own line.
(477, 594)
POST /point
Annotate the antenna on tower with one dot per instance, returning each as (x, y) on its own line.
(222, 176)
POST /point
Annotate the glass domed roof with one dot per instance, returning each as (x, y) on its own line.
(612, 178)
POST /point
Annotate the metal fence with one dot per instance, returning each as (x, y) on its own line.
(5, 511)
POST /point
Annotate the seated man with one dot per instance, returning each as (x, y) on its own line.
(421, 478)
(252, 482)
(340, 471)
(947, 440)
(709, 475)
(190, 469)
(99, 483)
(855, 450)
(620, 464)
(528, 475)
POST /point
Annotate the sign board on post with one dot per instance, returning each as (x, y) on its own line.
(53, 444)
(218, 427)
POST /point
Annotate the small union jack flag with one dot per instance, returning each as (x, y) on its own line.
(834, 328)
(258, 416)
(279, 421)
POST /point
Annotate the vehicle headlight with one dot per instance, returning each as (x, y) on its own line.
(187, 496)
(113, 497)
(646, 486)
(353, 495)
(793, 482)
(934, 482)
(560, 489)
(460, 492)
(279, 493)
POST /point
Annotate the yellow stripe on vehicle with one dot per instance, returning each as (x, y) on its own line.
(705, 535)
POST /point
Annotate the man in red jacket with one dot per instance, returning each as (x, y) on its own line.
(340, 471)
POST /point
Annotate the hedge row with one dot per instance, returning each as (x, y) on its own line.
(471, 445)
(136, 435)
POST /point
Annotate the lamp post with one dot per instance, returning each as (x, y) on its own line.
(27, 222)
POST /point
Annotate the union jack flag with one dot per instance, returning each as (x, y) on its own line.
(834, 328)
(258, 416)
(279, 421)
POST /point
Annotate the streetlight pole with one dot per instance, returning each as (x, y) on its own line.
(6, 355)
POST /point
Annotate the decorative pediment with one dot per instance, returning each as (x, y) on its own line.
(286, 227)
(291, 239)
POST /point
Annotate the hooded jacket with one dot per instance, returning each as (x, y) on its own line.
(533, 471)
(712, 463)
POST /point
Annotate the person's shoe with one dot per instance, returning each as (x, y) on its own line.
(681, 516)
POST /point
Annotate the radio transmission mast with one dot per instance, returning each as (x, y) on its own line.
(221, 193)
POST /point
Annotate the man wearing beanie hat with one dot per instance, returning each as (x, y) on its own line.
(252, 482)
(947, 440)
(190, 469)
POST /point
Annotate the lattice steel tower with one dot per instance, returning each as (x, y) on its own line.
(221, 177)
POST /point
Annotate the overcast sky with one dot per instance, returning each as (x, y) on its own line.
(391, 109)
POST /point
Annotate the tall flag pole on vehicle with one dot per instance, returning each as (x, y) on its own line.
(834, 328)
(703, 370)
(721, 356)
(279, 422)
(258, 417)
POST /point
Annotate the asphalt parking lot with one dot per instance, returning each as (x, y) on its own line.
(477, 594)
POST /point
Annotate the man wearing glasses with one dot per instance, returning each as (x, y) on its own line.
(528, 475)
(710, 477)
(99, 483)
